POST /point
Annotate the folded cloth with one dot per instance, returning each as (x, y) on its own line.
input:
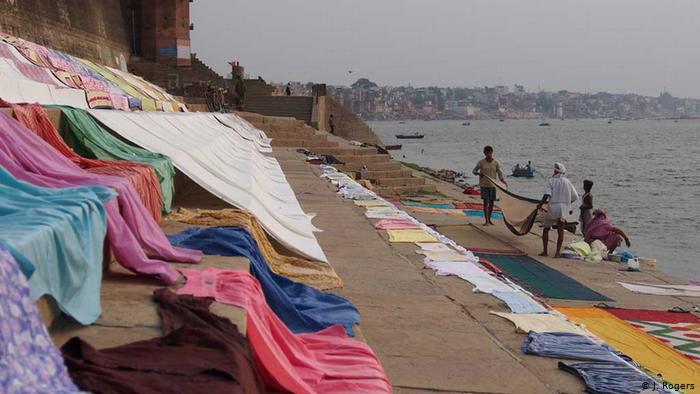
(396, 224)
(449, 255)
(322, 362)
(618, 378)
(569, 346)
(198, 350)
(431, 246)
(301, 307)
(410, 236)
(29, 361)
(518, 302)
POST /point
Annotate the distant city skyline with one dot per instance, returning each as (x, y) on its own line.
(623, 46)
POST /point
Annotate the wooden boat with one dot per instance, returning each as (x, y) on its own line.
(415, 135)
(393, 147)
(523, 172)
(545, 124)
(466, 124)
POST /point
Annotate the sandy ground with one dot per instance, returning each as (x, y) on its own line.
(432, 334)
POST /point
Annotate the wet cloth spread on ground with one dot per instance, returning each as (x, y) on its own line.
(301, 307)
(477, 240)
(410, 236)
(667, 290)
(569, 346)
(321, 362)
(314, 273)
(396, 224)
(542, 280)
(680, 330)
(541, 322)
(57, 236)
(198, 351)
(131, 230)
(82, 133)
(141, 176)
(29, 361)
(618, 378)
(650, 352)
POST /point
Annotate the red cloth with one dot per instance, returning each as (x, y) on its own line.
(327, 361)
(141, 176)
(649, 315)
(471, 191)
(469, 205)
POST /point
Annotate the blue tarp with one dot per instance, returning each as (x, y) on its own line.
(57, 238)
(480, 214)
(300, 307)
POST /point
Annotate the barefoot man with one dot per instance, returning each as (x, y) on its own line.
(560, 193)
(491, 167)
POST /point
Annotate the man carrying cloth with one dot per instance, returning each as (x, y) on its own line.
(560, 193)
(491, 168)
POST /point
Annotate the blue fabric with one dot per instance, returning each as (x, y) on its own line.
(518, 302)
(613, 378)
(29, 361)
(569, 346)
(302, 308)
(421, 204)
(57, 237)
(476, 213)
(625, 255)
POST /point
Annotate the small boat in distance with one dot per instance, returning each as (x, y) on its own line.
(393, 147)
(523, 172)
(415, 135)
(402, 122)
(466, 124)
(610, 121)
(501, 120)
(545, 124)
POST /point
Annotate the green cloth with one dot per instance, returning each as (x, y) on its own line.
(89, 139)
(542, 280)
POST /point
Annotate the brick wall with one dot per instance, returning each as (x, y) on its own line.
(95, 30)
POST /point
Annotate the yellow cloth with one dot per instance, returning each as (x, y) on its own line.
(147, 103)
(581, 248)
(378, 208)
(371, 203)
(313, 273)
(436, 211)
(541, 322)
(645, 349)
(410, 236)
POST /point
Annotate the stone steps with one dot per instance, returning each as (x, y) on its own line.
(364, 159)
(395, 191)
(344, 151)
(385, 166)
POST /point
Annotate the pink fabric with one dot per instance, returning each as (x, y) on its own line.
(327, 361)
(600, 228)
(131, 230)
(395, 224)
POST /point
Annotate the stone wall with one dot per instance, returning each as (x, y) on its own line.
(92, 29)
(347, 124)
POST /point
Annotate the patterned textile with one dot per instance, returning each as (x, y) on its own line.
(29, 362)
(678, 330)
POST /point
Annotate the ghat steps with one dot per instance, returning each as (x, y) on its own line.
(387, 176)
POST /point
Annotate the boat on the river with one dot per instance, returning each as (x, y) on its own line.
(545, 124)
(393, 147)
(415, 135)
(523, 172)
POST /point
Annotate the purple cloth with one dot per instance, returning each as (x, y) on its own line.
(131, 230)
(600, 228)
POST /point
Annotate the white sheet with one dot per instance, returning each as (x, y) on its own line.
(246, 130)
(668, 290)
(483, 282)
(225, 164)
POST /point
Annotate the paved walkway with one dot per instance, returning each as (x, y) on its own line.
(433, 334)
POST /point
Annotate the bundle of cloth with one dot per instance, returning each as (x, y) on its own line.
(132, 232)
(141, 176)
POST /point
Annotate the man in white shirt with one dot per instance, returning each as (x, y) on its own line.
(559, 194)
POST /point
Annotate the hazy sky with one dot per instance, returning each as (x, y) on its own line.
(635, 46)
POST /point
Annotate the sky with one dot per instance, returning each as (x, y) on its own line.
(618, 46)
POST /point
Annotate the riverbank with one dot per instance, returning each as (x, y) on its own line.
(432, 334)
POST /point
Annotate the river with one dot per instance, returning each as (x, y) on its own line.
(646, 172)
